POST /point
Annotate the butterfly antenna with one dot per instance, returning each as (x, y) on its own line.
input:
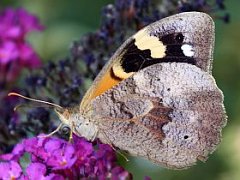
(18, 106)
(35, 100)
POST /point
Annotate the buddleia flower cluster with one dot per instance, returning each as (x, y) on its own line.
(53, 158)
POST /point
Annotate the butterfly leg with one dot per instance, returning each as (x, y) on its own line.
(94, 136)
(71, 133)
(110, 144)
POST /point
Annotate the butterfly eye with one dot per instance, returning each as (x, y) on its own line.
(186, 137)
(65, 130)
(179, 38)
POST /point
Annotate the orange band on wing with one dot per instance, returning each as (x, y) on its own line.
(106, 82)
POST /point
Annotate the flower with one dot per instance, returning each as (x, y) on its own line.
(86, 150)
(59, 154)
(10, 170)
(39, 171)
(15, 24)
(14, 50)
(8, 51)
(62, 159)
(15, 55)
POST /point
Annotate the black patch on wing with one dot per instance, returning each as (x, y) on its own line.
(135, 59)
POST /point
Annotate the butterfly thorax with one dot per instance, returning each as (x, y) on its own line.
(79, 122)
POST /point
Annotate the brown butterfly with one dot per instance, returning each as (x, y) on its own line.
(156, 97)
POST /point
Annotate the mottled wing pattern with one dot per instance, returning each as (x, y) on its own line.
(169, 113)
(185, 38)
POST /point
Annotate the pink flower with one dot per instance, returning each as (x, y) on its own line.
(54, 158)
(8, 52)
(39, 171)
(15, 24)
(28, 57)
(15, 52)
(10, 170)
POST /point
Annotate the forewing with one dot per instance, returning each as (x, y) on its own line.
(185, 37)
(170, 113)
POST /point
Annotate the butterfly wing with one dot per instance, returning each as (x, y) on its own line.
(169, 113)
(185, 37)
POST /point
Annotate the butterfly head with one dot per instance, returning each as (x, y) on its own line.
(64, 115)
(68, 115)
(80, 124)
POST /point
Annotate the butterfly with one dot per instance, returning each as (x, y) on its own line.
(156, 97)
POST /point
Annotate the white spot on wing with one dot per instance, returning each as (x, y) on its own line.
(187, 50)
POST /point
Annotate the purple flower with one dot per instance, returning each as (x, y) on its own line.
(16, 154)
(15, 24)
(28, 22)
(14, 50)
(8, 51)
(10, 170)
(15, 55)
(39, 171)
(85, 152)
(58, 159)
(117, 172)
(62, 157)
(28, 57)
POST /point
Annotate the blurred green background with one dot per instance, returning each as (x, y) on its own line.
(66, 21)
